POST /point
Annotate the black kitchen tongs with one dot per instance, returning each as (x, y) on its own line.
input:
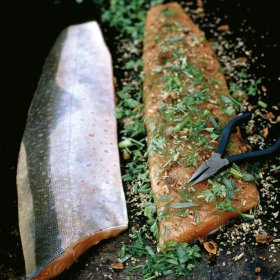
(216, 162)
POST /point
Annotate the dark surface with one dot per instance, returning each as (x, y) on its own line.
(27, 36)
(263, 38)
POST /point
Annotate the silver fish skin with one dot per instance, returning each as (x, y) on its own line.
(70, 193)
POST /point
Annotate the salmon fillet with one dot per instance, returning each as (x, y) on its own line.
(70, 193)
(185, 111)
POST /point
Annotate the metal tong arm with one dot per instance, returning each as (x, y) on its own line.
(227, 131)
(260, 154)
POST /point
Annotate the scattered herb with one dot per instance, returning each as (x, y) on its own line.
(177, 259)
(185, 204)
(262, 104)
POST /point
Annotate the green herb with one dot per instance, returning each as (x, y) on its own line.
(127, 17)
(176, 259)
(176, 53)
(173, 83)
(195, 40)
(248, 177)
(185, 204)
(229, 111)
(175, 39)
(132, 64)
(181, 125)
(213, 121)
(226, 206)
(167, 13)
(262, 104)
(250, 87)
(125, 143)
(192, 159)
(253, 88)
(156, 143)
(196, 216)
(217, 191)
(230, 101)
(236, 172)
(243, 75)
(174, 158)
(230, 187)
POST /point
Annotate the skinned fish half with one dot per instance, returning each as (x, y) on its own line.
(184, 90)
(70, 193)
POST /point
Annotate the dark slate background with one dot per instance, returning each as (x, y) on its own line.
(28, 30)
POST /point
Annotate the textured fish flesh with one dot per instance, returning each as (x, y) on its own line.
(187, 103)
(70, 193)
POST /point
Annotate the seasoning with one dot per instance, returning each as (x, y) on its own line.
(264, 238)
(211, 247)
(117, 266)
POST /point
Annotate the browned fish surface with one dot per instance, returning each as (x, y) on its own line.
(187, 104)
(70, 193)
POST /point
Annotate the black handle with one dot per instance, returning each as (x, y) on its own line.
(256, 155)
(227, 131)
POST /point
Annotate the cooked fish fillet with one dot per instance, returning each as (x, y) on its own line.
(186, 105)
(70, 193)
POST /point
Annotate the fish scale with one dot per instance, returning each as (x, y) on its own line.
(70, 193)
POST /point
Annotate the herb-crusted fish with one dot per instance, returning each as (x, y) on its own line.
(70, 193)
(186, 105)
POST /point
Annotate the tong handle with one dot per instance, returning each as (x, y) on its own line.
(256, 155)
(227, 131)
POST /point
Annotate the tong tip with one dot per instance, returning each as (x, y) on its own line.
(197, 174)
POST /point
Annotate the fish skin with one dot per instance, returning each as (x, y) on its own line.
(70, 193)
